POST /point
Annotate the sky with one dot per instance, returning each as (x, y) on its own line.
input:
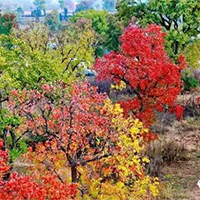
(27, 4)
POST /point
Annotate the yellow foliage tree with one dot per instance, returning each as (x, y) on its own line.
(122, 175)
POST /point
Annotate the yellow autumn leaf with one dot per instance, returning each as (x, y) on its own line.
(120, 185)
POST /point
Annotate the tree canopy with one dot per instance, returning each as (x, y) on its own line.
(180, 19)
(144, 66)
(7, 22)
(30, 57)
(107, 27)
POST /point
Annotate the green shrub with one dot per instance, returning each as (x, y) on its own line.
(18, 150)
(189, 82)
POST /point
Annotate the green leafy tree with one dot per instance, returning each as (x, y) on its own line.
(192, 53)
(7, 22)
(84, 5)
(61, 3)
(40, 6)
(98, 19)
(67, 5)
(30, 57)
(180, 19)
(8, 122)
(52, 20)
(189, 82)
(189, 76)
(107, 27)
(128, 10)
(20, 11)
(113, 33)
(63, 6)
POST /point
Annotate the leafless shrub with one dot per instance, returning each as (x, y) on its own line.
(192, 106)
(162, 153)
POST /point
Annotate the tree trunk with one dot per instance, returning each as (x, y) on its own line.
(74, 174)
(13, 138)
(1, 98)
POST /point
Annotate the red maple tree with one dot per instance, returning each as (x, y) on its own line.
(144, 66)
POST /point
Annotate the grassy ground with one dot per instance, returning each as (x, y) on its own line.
(181, 177)
(182, 180)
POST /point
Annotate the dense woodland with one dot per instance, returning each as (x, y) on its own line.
(91, 105)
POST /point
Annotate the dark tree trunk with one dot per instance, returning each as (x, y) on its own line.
(1, 98)
(74, 174)
(13, 137)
